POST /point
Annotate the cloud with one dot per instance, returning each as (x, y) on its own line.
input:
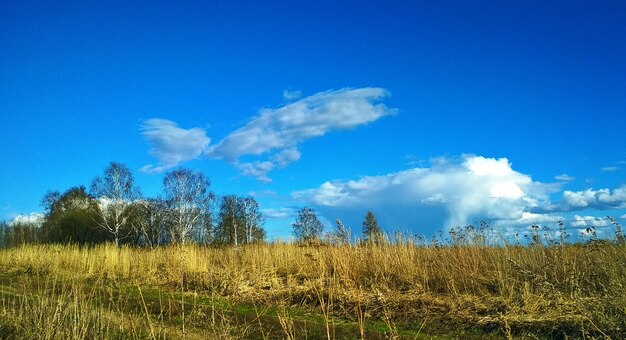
(291, 95)
(273, 135)
(564, 178)
(609, 169)
(172, 145)
(262, 193)
(451, 192)
(260, 169)
(602, 199)
(310, 117)
(32, 218)
(589, 221)
(280, 213)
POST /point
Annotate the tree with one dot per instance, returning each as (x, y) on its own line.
(307, 228)
(72, 218)
(231, 226)
(240, 221)
(371, 229)
(253, 220)
(116, 192)
(149, 220)
(341, 234)
(188, 202)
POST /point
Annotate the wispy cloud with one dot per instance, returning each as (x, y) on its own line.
(172, 145)
(276, 133)
(273, 136)
(564, 178)
(291, 95)
(279, 213)
(610, 169)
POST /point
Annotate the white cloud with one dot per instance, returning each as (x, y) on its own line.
(307, 118)
(32, 218)
(279, 213)
(286, 157)
(455, 191)
(588, 221)
(262, 193)
(601, 199)
(274, 134)
(259, 169)
(256, 169)
(291, 95)
(609, 169)
(623, 217)
(277, 132)
(172, 145)
(564, 178)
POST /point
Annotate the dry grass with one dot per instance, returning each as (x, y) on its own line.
(399, 290)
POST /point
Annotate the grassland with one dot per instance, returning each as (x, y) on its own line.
(290, 291)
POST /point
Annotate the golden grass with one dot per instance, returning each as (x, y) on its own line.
(400, 290)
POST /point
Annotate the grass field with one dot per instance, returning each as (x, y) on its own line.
(296, 292)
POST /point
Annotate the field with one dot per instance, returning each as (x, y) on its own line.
(288, 291)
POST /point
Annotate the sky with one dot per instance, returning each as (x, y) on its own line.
(431, 114)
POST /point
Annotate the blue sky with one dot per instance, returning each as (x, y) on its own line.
(430, 114)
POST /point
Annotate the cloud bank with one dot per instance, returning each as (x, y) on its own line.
(273, 135)
(454, 190)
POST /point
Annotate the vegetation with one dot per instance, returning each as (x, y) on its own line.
(172, 267)
(371, 229)
(307, 228)
(399, 290)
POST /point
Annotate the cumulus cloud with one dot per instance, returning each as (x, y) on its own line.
(454, 191)
(564, 178)
(172, 145)
(602, 199)
(609, 169)
(32, 218)
(588, 221)
(273, 135)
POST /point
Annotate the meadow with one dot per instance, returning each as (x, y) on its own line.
(267, 291)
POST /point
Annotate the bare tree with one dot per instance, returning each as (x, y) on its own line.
(230, 228)
(150, 222)
(240, 221)
(253, 220)
(116, 192)
(307, 228)
(188, 200)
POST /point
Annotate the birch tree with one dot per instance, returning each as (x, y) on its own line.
(240, 221)
(188, 201)
(115, 192)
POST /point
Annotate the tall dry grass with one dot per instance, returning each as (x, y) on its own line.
(557, 291)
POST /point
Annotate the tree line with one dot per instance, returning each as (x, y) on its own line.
(113, 209)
